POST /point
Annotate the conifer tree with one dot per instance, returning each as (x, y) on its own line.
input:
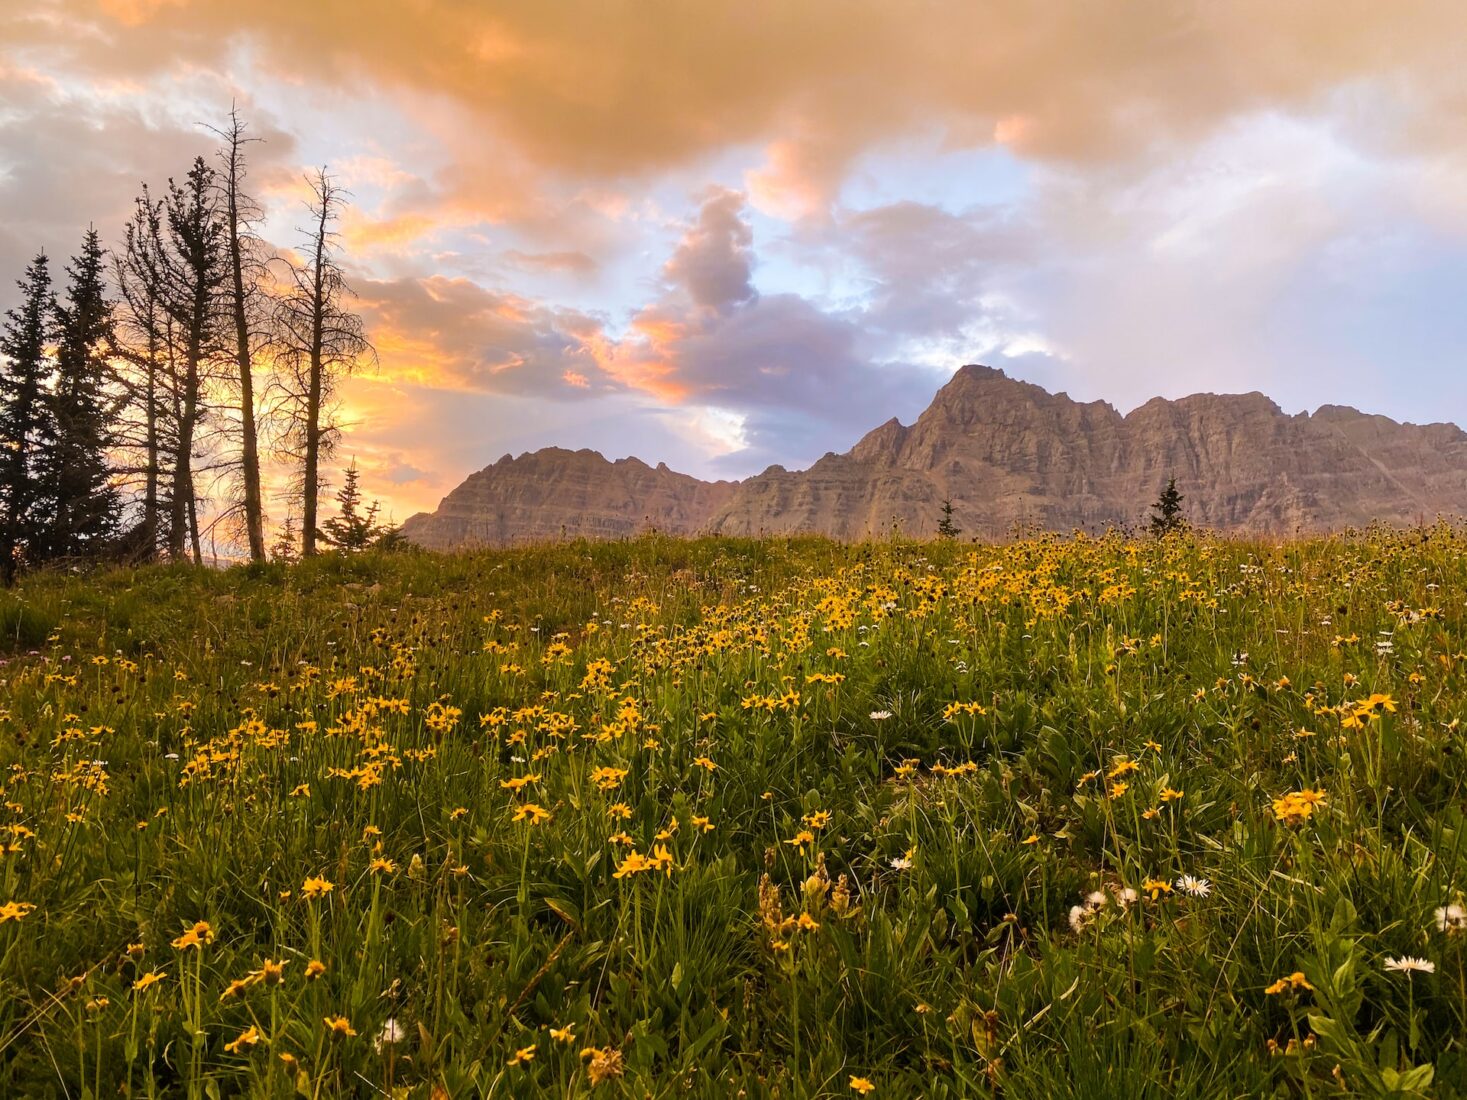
(75, 468)
(352, 529)
(1166, 513)
(26, 428)
(286, 549)
(945, 526)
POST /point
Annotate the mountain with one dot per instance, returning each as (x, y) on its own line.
(554, 492)
(1005, 452)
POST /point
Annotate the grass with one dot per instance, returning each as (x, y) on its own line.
(1066, 817)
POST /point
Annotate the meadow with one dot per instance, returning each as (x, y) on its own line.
(1061, 817)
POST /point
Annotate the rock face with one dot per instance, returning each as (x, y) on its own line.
(555, 492)
(1005, 453)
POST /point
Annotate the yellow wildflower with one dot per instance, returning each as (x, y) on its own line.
(533, 813)
(246, 1039)
(339, 1025)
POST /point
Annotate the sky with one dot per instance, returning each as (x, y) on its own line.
(725, 235)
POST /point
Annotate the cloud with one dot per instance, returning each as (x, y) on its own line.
(801, 175)
(596, 91)
(753, 378)
(455, 334)
(75, 156)
(797, 377)
(571, 262)
(932, 273)
(714, 261)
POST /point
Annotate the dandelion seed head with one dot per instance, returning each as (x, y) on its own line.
(1451, 918)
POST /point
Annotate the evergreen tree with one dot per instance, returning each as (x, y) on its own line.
(945, 527)
(391, 538)
(26, 428)
(75, 470)
(1166, 513)
(352, 529)
(286, 549)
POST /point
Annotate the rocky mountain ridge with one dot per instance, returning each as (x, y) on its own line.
(1005, 452)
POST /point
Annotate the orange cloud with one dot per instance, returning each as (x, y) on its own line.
(133, 13)
(602, 90)
(453, 334)
(799, 177)
(362, 233)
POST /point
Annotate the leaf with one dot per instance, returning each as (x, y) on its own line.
(563, 912)
(1417, 1079)
(1331, 1034)
(1343, 918)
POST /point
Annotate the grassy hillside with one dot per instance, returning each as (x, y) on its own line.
(657, 818)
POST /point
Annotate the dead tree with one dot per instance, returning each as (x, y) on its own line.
(142, 342)
(320, 342)
(244, 291)
(193, 272)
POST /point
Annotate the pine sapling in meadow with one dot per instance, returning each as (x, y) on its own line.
(354, 528)
(1166, 513)
(287, 542)
(945, 526)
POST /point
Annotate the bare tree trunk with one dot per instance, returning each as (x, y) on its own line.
(181, 505)
(185, 510)
(151, 478)
(313, 395)
(180, 476)
(193, 522)
(178, 512)
(249, 441)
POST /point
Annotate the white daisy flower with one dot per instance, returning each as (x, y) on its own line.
(1197, 887)
(880, 715)
(1406, 964)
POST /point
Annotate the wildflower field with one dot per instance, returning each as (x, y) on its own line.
(1086, 817)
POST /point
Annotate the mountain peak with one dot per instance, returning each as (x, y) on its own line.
(972, 376)
(978, 370)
